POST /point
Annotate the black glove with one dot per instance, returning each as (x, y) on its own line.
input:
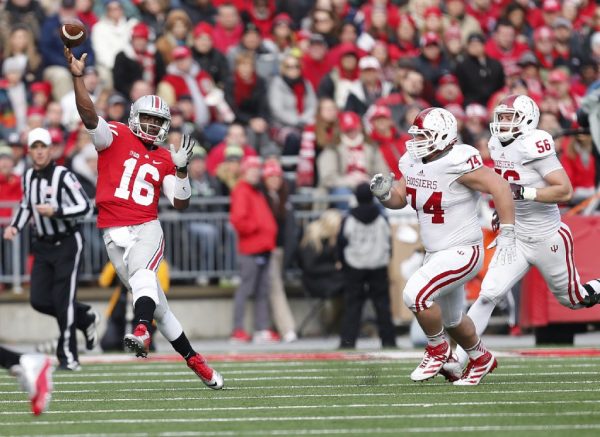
(495, 221)
(517, 191)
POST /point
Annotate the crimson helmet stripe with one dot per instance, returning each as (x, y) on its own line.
(509, 101)
(155, 102)
(420, 118)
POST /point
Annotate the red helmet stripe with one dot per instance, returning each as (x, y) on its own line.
(420, 118)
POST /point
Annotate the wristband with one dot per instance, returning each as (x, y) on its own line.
(76, 75)
(529, 193)
(183, 190)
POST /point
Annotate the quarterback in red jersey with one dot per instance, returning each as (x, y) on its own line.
(132, 170)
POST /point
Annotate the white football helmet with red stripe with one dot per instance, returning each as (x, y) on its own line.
(151, 105)
(438, 129)
(524, 117)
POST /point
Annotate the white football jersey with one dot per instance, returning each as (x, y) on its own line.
(447, 210)
(518, 163)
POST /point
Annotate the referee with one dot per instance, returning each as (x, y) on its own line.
(54, 198)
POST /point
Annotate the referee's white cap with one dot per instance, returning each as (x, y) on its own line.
(39, 134)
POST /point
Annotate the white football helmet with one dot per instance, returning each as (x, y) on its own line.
(439, 128)
(152, 105)
(524, 113)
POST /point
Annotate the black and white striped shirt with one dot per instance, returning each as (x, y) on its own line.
(56, 186)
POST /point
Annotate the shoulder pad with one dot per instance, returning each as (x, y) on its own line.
(404, 162)
(463, 159)
(537, 144)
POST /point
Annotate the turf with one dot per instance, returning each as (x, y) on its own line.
(525, 396)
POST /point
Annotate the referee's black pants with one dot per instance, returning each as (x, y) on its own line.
(53, 291)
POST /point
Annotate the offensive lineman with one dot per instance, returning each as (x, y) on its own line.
(440, 178)
(132, 168)
(525, 156)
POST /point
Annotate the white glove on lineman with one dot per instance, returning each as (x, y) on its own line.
(182, 156)
(381, 186)
(506, 246)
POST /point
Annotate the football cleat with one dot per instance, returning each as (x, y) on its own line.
(432, 363)
(209, 376)
(477, 369)
(34, 373)
(239, 336)
(593, 293)
(139, 341)
(451, 370)
(91, 333)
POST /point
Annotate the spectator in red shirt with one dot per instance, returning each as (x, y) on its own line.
(228, 28)
(391, 143)
(543, 46)
(503, 45)
(10, 184)
(580, 166)
(261, 13)
(545, 15)
(315, 64)
(405, 36)
(485, 12)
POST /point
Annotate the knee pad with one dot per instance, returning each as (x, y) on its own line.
(144, 283)
(410, 300)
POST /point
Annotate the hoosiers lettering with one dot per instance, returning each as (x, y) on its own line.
(414, 182)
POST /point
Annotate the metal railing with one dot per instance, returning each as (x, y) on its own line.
(199, 242)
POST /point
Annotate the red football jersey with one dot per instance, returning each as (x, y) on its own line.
(130, 177)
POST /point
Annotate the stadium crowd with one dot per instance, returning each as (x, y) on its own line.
(332, 83)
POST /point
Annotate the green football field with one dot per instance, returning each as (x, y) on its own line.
(291, 395)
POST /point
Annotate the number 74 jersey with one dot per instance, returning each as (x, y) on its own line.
(130, 178)
(446, 209)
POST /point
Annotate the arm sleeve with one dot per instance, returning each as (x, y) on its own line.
(102, 135)
(546, 165)
(80, 203)
(168, 187)
(24, 213)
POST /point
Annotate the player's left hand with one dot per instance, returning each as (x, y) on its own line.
(506, 246)
(45, 210)
(181, 157)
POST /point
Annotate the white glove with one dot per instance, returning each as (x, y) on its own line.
(381, 186)
(506, 246)
(182, 156)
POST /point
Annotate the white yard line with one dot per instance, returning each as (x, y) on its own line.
(300, 418)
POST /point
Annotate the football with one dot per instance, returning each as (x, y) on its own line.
(73, 33)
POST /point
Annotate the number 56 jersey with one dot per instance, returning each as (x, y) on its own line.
(130, 176)
(526, 161)
(446, 209)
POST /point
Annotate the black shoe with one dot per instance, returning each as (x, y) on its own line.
(91, 333)
(73, 367)
(593, 296)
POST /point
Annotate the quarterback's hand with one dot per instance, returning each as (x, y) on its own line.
(495, 221)
(181, 156)
(10, 232)
(381, 186)
(506, 246)
(76, 66)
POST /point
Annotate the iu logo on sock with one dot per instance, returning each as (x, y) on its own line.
(554, 248)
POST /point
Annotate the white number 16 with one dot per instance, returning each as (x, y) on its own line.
(143, 191)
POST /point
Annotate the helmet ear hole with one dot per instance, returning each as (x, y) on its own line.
(444, 136)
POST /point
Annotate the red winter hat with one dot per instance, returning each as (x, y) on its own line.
(430, 38)
(349, 121)
(380, 112)
(282, 18)
(543, 32)
(551, 6)
(181, 52)
(558, 75)
(140, 30)
(249, 162)
(41, 87)
(272, 168)
(432, 10)
(448, 78)
(203, 28)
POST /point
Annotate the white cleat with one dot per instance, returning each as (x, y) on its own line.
(209, 376)
(452, 370)
(34, 373)
(432, 362)
(477, 369)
